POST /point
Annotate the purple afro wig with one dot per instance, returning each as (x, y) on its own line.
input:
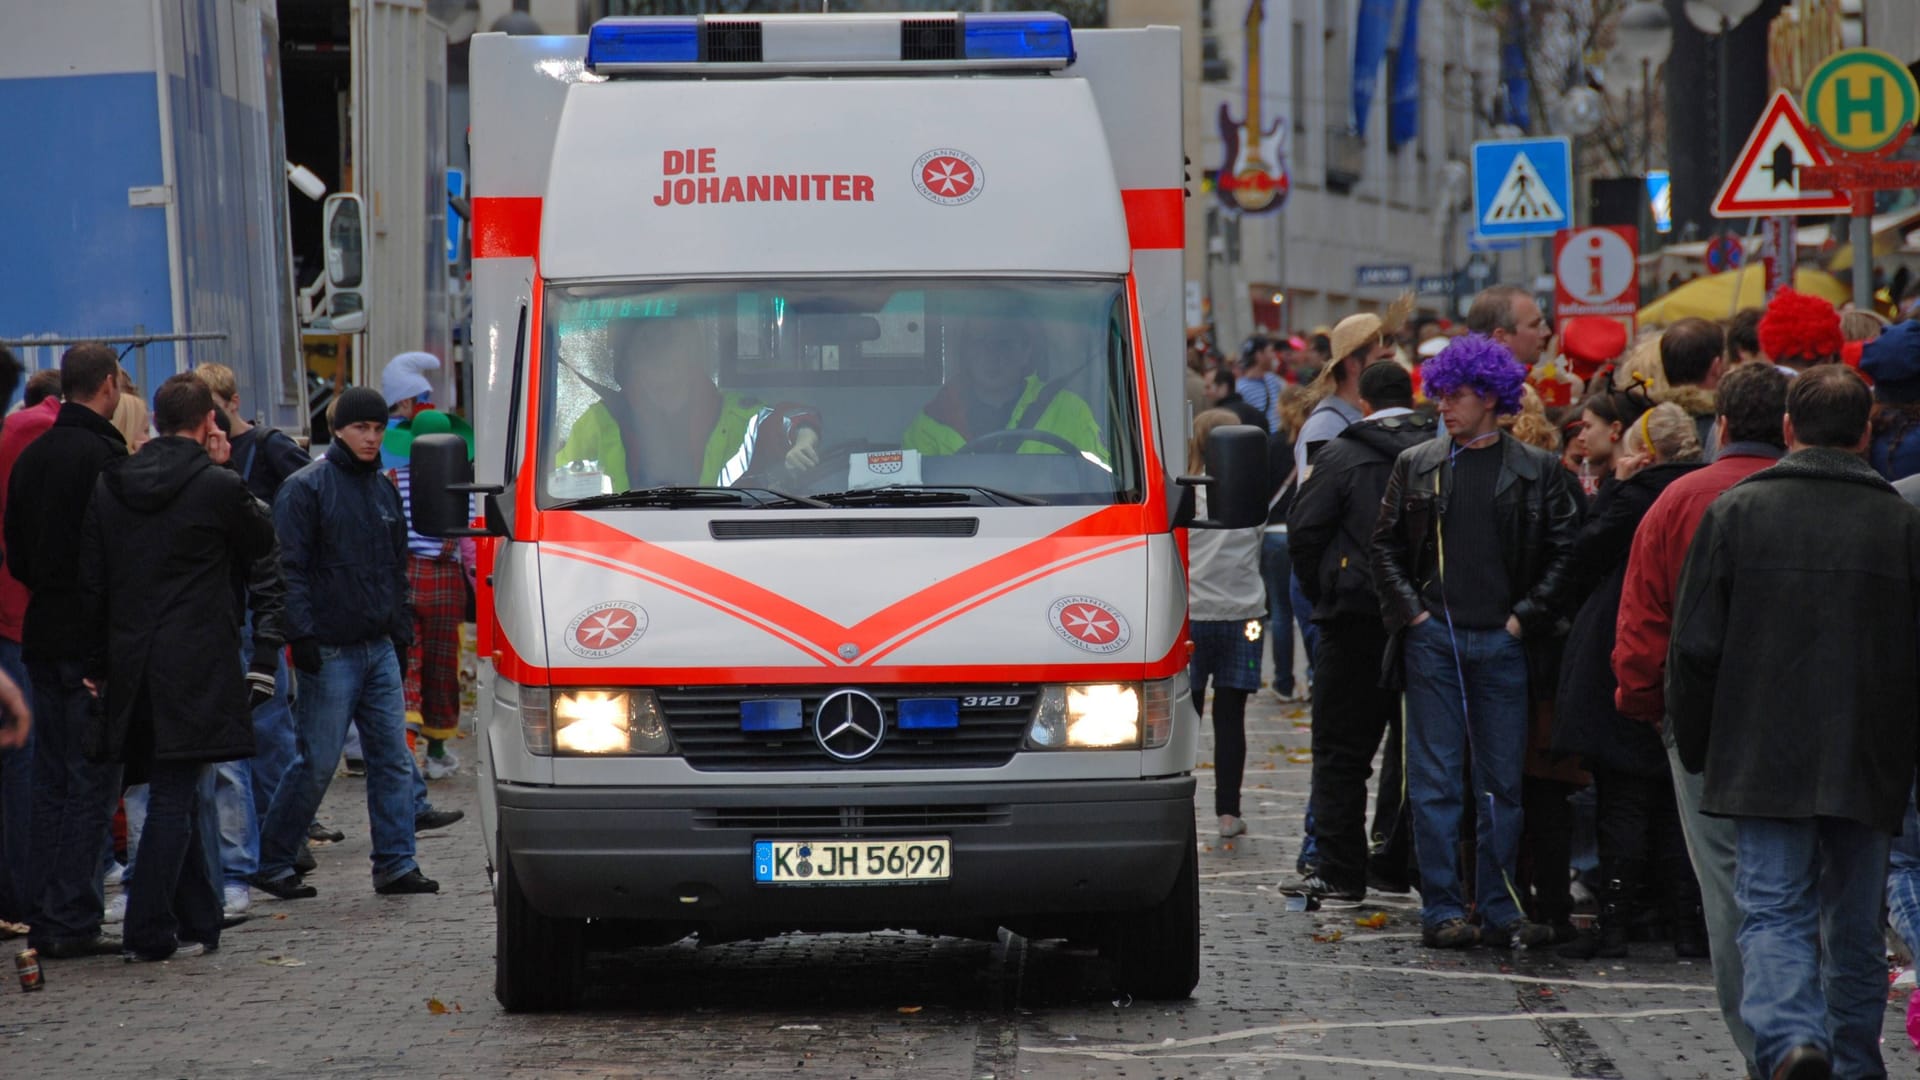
(1480, 364)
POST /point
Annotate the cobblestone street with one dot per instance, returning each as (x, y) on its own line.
(352, 983)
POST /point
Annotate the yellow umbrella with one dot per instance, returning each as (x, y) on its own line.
(1712, 297)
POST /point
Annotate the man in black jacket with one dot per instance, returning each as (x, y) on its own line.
(73, 799)
(343, 543)
(1473, 532)
(1791, 684)
(1329, 529)
(169, 536)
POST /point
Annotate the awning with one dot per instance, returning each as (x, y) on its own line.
(1712, 297)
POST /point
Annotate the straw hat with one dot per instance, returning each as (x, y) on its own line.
(1359, 331)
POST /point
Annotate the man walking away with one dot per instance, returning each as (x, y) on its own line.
(168, 537)
(1693, 357)
(47, 494)
(343, 542)
(1329, 526)
(1806, 739)
(1751, 399)
(1473, 532)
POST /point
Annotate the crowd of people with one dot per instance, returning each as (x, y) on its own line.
(1637, 623)
(162, 568)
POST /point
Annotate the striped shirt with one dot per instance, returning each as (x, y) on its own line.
(424, 546)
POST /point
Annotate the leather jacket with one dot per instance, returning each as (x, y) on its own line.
(1538, 514)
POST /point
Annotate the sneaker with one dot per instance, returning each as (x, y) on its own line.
(436, 819)
(1312, 884)
(116, 876)
(1232, 825)
(184, 950)
(1382, 882)
(439, 768)
(72, 949)
(324, 835)
(236, 898)
(1450, 934)
(116, 910)
(413, 882)
(1521, 934)
(1804, 1063)
(286, 888)
(356, 766)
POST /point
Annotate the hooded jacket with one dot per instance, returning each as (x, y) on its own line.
(1330, 524)
(47, 496)
(167, 537)
(1791, 680)
(1698, 401)
(343, 549)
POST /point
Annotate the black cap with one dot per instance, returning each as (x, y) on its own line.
(358, 405)
(1386, 384)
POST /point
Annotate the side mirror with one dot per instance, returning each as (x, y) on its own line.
(345, 218)
(440, 486)
(348, 311)
(1236, 480)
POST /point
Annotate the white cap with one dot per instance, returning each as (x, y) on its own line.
(1434, 346)
(403, 378)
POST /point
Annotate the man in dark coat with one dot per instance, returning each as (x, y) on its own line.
(73, 799)
(168, 536)
(1329, 528)
(1791, 684)
(343, 544)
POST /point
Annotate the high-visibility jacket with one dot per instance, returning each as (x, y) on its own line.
(1066, 415)
(724, 459)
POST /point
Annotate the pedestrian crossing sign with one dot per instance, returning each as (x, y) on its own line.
(1523, 187)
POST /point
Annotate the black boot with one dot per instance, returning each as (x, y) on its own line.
(1608, 936)
(1689, 917)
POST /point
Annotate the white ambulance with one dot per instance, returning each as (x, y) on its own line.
(830, 413)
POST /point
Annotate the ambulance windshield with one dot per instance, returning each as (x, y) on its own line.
(849, 393)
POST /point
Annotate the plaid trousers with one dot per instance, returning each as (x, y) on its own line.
(433, 663)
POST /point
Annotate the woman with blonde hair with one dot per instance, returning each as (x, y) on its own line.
(1226, 601)
(130, 417)
(1530, 425)
(1638, 823)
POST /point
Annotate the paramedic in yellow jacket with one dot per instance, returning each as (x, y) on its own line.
(668, 424)
(995, 389)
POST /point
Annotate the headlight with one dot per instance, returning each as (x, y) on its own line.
(1092, 716)
(592, 722)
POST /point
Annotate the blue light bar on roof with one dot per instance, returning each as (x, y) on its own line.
(1017, 36)
(644, 41)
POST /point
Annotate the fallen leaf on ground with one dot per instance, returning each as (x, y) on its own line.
(435, 1007)
(1372, 922)
(1300, 757)
(282, 961)
(1303, 725)
(1329, 937)
(910, 1009)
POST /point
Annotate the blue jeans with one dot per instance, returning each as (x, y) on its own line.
(1303, 618)
(1903, 878)
(1486, 721)
(172, 898)
(357, 684)
(1277, 571)
(1809, 892)
(16, 803)
(237, 855)
(73, 801)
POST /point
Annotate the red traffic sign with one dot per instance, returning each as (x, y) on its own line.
(1868, 175)
(1769, 177)
(1596, 271)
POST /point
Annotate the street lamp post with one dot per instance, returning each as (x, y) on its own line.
(1717, 18)
(1644, 35)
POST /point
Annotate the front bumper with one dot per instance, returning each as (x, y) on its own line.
(686, 854)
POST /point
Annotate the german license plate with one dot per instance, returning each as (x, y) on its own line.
(850, 862)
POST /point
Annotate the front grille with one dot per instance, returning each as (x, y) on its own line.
(860, 528)
(814, 820)
(930, 39)
(705, 722)
(731, 41)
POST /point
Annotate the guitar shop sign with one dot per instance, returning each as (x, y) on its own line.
(1253, 174)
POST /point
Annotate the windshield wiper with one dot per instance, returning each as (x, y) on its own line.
(683, 497)
(908, 494)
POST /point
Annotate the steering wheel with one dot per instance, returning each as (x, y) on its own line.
(1018, 436)
(833, 461)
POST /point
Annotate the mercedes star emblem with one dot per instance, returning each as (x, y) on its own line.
(849, 725)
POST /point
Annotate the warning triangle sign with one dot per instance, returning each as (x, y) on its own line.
(1765, 180)
(1523, 199)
